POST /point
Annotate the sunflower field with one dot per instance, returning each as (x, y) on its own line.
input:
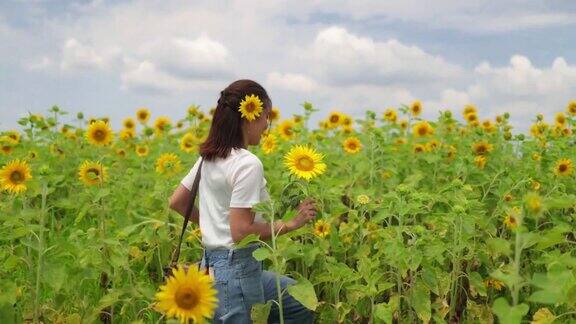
(451, 220)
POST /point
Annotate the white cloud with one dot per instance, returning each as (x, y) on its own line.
(145, 77)
(78, 56)
(292, 82)
(201, 58)
(523, 89)
(341, 57)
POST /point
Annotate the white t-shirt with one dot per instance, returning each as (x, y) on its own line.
(236, 181)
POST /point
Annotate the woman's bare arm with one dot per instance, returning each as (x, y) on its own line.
(179, 202)
(242, 224)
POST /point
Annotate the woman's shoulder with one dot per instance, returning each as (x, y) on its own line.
(246, 157)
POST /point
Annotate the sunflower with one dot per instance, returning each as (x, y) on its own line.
(510, 221)
(143, 114)
(286, 129)
(494, 283)
(480, 161)
(482, 148)
(92, 173)
(560, 118)
(13, 137)
(535, 185)
(533, 203)
(187, 143)
(168, 163)
(452, 150)
(419, 148)
(352, 145)
(193, 110)
(32, 155)
(404, 124)
(391, 115)
(187, 295)
(538, 129)
(335, 119)
(416, 108)
(321, 228)
(251, 107)
(362, 199)
(488, 126)
(400, 141)
(386, 174)
(571, 108)
(141, 150)
(536, 156)
(127, 134)
(471, 118)
(422, 129)
(121, 152)
(13, 176)
(269, 143)
(129, 123)
(161, 125)
(432, 145)
(99, 133)
(347, 129)
(469, 109)
(563, 167)
(347, 121)
(6, 148)
(274, 114)
(304, 162)
(543, 316)
(508, 197)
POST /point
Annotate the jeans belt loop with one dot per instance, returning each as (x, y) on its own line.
(230, 255)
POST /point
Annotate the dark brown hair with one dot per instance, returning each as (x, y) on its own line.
(225, 131)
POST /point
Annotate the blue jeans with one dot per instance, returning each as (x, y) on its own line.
(241, 283)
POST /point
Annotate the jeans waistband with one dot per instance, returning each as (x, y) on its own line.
(235, 253)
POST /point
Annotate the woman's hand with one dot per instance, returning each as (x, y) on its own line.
(306, 212)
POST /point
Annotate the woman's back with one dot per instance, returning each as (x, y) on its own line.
(236, 181)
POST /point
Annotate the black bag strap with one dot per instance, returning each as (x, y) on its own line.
(188, 214)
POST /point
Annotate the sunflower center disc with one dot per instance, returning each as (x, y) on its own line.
(563, 167)
(250, 107)
(186, 298)
(99, 135)
(16, 177)
(305, 164)
(94, 173)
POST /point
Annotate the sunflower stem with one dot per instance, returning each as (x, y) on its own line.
(40, 254)
(276, 265)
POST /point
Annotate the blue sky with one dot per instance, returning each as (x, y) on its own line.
(108, 58)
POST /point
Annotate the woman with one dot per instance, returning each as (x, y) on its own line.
(232, 181)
